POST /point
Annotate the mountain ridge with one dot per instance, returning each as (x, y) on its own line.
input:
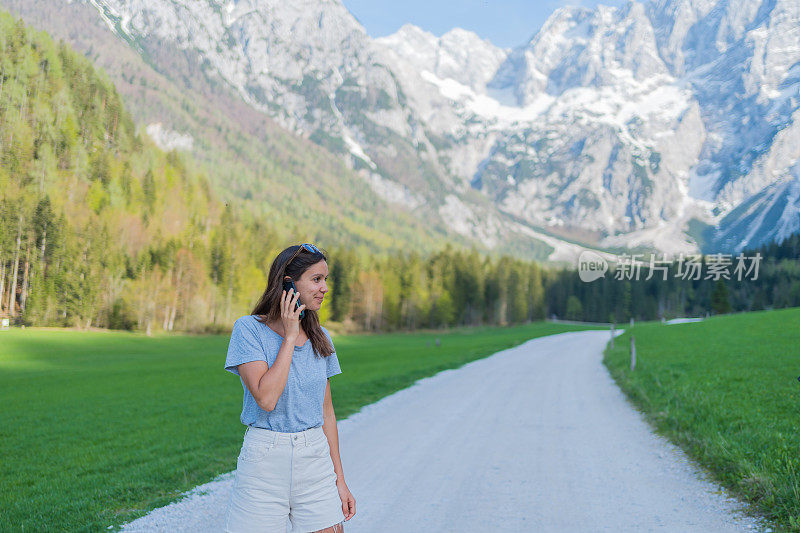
(624, 50)
(627, 123)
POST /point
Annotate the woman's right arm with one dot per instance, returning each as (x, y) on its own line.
(266, 383)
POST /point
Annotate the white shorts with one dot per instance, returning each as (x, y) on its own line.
(280, 476)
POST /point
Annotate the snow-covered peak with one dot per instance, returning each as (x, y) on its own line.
(458, 55)
(468, 59)
(412, 44)
(411, 33)
(578, 47)
(468, 41)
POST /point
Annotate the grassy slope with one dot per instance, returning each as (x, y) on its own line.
(726, 390)
(97, 428)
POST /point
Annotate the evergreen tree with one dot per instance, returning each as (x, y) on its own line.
(720, 301)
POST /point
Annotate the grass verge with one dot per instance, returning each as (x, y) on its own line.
(726, 391)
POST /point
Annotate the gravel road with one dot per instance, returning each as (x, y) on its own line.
(533, 438)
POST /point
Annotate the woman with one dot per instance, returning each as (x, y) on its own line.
(289, 465)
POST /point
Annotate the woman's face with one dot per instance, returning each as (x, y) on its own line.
(312, 285)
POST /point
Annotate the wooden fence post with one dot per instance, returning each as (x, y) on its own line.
(633, 353)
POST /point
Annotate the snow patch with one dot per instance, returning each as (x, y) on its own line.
(358, 151)
(487, 106)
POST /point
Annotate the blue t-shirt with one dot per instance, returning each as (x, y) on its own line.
(300, 405)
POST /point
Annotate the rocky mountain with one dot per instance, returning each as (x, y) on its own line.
(664, 125)
(326, 86)
(668, 124)
(742, 61)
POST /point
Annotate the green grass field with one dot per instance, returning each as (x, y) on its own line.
(726, 391)
(97, 428)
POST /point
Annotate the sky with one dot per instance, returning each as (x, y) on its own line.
(506, 23)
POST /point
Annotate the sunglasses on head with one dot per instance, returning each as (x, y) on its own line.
(308, 247)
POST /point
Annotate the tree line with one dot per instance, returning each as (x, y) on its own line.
(456, 287)
(670, 293)
(98, 227)
(450, 287)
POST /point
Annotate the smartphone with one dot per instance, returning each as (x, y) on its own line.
(288, 286)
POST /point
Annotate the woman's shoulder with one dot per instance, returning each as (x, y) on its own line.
(252, 326)
(248, 322)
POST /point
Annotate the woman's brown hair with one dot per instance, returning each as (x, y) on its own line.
(292, 262)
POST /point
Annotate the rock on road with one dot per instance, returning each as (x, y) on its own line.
(533, 438)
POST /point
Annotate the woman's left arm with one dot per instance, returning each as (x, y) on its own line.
(332, 434)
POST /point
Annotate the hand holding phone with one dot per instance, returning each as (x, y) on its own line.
(288, 286)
